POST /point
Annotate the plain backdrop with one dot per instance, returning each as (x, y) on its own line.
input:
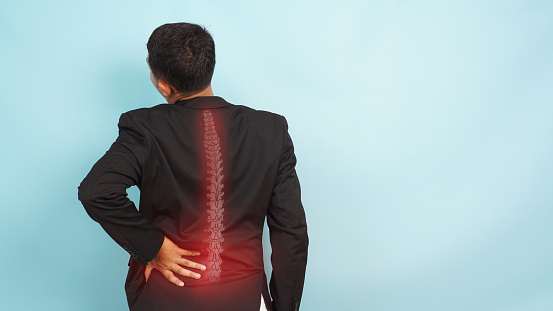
(423, 132)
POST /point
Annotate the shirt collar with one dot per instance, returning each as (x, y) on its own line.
(202, 102)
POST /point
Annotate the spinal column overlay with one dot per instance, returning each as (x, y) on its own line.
(214, 180)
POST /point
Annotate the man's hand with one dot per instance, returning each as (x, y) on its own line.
(169, 260)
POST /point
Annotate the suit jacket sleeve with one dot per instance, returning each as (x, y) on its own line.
(104, 196)
(288, 232)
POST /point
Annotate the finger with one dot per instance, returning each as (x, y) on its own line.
(191, 264)
(185, 252)
(172, 278)
(147, 272)
(180, 270)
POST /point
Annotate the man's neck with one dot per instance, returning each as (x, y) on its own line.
(175, 97)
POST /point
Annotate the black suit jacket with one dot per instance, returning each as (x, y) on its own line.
(209, 172)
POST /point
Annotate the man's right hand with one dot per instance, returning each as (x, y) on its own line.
(169, 261)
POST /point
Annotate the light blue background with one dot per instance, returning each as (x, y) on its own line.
(423, 132)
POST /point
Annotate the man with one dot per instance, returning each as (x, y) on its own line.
(209, 172)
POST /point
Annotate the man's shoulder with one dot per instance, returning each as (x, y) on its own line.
(145, 115)
(143, 111)
(263, 119)
(261, 112)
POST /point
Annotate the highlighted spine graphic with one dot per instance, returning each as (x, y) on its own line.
(215, 201)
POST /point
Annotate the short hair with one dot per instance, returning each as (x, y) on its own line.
(183, 55)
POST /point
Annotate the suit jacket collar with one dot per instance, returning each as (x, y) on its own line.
(202, 102)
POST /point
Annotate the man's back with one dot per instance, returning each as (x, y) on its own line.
(209, 172)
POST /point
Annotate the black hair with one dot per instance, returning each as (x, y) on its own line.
(183, 55)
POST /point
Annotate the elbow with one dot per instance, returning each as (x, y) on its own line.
(84, 194)
(84, 191)
(304, 239)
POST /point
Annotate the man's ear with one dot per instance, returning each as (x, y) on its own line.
(165, 88)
